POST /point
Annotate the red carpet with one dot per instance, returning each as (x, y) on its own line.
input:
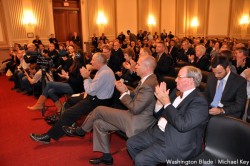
(16, 147)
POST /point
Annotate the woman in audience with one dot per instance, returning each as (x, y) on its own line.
(127, 74)
(74, 84)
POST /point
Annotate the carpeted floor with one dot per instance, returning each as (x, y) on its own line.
(17, 149)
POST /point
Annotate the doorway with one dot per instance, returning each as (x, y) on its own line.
(67, 19)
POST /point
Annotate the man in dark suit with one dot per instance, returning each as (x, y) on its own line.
(185, 51)
(182, 120)
(199, 60)
(232, 99)
(121, 37)
(76, 39)
(112, 61)
(173, 50)
(165, 65)
(138, 116)
(94, 40)
(117, 51)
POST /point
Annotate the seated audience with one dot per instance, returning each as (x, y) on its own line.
(137, 117)
(181, 123)
(73, 85)
(225, 91)
(98, 91)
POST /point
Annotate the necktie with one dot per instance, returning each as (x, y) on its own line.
(218, 94)
(139, 84)
(179, 93)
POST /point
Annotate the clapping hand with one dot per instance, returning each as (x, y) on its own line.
(126, 65)
(85, 73)
(162, 93)
(64, 74)
(121, 87)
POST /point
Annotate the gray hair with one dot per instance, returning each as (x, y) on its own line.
(149, 61)
(100, 57)
(202, 48)
(195, 73)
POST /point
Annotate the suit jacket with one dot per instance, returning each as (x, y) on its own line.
(183, 56)
(140, 104)
(165, 66)
(202, 63)
(234, 94)
(186, 125)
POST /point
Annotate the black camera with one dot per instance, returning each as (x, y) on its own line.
(44, 62)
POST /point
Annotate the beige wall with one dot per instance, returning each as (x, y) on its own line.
(218, 22)
(168, 10)
(216, 18)
(126, 16)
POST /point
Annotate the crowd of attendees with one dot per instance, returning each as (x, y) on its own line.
(133, 61)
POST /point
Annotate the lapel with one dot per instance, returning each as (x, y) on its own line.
(190, 96)
(228, 85)
(138, 86)
(173, 95)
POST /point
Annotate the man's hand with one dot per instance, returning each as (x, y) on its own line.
(85, 73)
(162, 94)
(121, 87)
(119, 73)
(215, 111)
(126, 65)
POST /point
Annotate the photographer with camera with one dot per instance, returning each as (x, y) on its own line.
(33, 79)
(74, 84)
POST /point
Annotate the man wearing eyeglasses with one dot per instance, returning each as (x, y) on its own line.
(181, 123)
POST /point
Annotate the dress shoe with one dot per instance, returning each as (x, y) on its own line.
(101, 160)
(52, 119)
(19, 90)
(71, 131)
(42, 138)
(14, 88)
(28, 93)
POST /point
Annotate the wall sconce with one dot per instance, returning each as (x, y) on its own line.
(194, 24)
(244, 22)
(151, 20)
(28, 18)
(101, 19)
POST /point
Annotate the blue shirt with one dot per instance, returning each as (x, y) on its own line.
(102, 85)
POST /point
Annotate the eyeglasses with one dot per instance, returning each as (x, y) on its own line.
(183, 76)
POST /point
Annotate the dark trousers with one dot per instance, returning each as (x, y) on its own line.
(74, 113)
(148, 147)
